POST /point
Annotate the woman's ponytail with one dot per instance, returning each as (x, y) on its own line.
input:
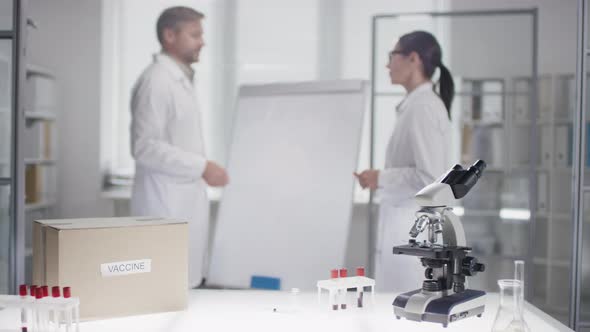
(430, 53)
(446, 87)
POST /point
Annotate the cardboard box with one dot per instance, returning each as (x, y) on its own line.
(116, 266)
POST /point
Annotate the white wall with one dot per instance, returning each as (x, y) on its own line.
(68, 44)
(276, 40)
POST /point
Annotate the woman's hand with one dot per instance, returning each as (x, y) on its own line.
(368, 178)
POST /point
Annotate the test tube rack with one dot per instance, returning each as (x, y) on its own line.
(40, 312)
(339, 284)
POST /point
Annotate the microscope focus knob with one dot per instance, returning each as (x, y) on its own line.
(479, 267)
(470, 266)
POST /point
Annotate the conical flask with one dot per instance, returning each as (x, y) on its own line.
(510, 313)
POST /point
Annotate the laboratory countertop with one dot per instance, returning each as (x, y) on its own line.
(253, 310)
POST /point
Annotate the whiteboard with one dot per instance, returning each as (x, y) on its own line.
(286, 212)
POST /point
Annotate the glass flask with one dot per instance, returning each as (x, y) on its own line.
(510, 313)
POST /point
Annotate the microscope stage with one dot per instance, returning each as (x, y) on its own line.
(432, 252)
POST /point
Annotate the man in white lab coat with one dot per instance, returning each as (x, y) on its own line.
(172, 171)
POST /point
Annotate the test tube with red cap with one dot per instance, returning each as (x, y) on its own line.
(55, 312)
(55, 292)
(24, 313)
(41, 315)
(343, 274)
(33, 293)
(333, 276)
(360, 272)
(67, 291)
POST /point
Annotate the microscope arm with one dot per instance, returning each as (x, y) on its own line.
(454, 235)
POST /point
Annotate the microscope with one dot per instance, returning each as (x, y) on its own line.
(443, 297)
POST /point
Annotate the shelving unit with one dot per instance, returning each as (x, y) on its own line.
(40, 151)
(552, 173)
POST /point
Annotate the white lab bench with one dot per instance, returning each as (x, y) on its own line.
(252, 310)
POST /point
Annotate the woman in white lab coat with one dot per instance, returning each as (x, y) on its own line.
(416, 155)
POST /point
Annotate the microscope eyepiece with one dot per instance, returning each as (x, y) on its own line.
(478, 167)
(462, 180)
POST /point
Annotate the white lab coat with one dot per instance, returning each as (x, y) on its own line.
(167, 144)
(417, 154)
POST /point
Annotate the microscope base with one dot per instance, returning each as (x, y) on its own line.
(422, 306)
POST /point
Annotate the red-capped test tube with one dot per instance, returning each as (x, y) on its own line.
(360, 272)
(333, 275)
(343, 274)
(55, 314)
(22, 290)
(72, 315)
(55, 291)
(67, 292)
(41, 314)
(24, 313)
(38, 293)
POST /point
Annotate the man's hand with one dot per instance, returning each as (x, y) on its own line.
(215, 175)
(368, 178)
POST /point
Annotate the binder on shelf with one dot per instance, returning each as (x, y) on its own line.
(492, 101)
(48, 140)
(466, 144)
(565, 96)
(561, 192)
(38, 140)
(545, 94)
(5, 133)
(546, 155)
(565, 143)
(33, 186)
(521, 108)
(522, 99)
(542, 192)
(5, 83)
(520, 146)
(487, 143)
(563, 150)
